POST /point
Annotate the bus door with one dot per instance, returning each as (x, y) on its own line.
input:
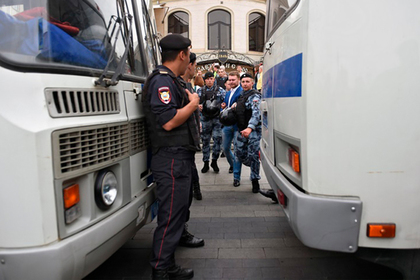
(267, 111)
(139, 155)
(282, 87)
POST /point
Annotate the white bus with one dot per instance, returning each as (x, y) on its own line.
(340, 145)
(76, 182)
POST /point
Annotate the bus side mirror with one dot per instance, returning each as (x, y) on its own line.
(268, 46)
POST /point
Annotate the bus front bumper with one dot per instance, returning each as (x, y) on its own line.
(327, 223)
(78, 255)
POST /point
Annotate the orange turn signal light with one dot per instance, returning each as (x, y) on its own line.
(71, 195)
(381, 230)
(294, 160)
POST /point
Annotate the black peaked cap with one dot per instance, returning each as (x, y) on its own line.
(174, 42)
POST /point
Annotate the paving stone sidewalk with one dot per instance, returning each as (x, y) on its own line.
(247, 237)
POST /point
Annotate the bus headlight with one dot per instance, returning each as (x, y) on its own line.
(106, 189)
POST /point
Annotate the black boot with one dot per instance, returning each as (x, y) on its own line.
(214, 165)
(196, 191)
(189, 240)
(255, 186)
(160, 274)
(269, 194)
(205, 167)
(178, 272)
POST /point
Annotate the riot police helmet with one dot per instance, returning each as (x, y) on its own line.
(227, 117)
(211, 108)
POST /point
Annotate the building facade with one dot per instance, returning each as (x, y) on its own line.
(228, 32)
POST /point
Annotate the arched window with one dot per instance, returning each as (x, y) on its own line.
(256, 32)
(178, 23)
(219, 30)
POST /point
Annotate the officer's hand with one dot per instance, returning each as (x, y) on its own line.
(223, 105)
(233, 105)
(200, 107)
(246, 132)
(193, 97)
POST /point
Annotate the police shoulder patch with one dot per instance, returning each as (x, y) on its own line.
(164, 95)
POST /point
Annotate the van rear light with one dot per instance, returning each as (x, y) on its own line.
(381, 230)
(294, 160)
(282, 198)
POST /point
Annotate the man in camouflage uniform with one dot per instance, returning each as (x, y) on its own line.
(211, 126)
(248, 141)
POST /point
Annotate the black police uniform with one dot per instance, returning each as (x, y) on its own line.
(173, 156)
(195, 177)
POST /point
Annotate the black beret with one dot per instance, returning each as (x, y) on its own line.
(174, 42)
(208, 75)
(246, 75)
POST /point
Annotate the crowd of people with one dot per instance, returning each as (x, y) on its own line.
(181, 106)
(238, 91)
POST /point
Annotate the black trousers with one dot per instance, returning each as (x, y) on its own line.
(172, 174)
(195, 179)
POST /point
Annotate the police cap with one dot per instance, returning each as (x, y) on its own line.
(173, 42)
(208, 75)
(246, 75)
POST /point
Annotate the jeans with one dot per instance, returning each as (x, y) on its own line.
(231, 133)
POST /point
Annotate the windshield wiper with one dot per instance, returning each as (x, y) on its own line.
(102, 81)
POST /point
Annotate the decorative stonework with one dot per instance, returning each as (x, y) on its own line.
(198, 15)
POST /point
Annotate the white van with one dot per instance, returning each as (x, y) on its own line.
(76, 182)
(340, 143)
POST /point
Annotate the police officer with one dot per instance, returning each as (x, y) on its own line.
(188, 75)
(187, 239)
(249, 126)
(174, 138)
(211, 94)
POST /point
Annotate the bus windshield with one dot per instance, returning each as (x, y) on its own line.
(69, 33)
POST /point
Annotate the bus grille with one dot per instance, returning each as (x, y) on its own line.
(87, 148)
(139, 138)
(81, 102)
